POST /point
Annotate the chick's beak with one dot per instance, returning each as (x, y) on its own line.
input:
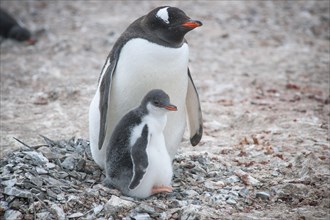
(171, 107)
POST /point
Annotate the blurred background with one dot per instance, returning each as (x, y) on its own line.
(258, 66)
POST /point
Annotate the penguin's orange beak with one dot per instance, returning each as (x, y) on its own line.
(171, 107)
(192, 24)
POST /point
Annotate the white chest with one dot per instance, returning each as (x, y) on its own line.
(143, 66)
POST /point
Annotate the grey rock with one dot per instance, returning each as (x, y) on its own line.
(35, 180)
(244, 192)
(47, 152)
(160, 204)
(163, 216)
(191, 212)
(263, 195)
(69, 163)
(51, 194)
(116, 204)
(141, 216)
(13, 191)
(218, 199)
(76, 215)
(9, 183)
(35, 191)
(275, 173)
(233, 193)
(97, 209)
(13, 214)
(37, 157)
(190, 193)
(62, 174)
(231, 201)
(246, 178)
(198, 170)
(213, 174)
(51, 181)
(233, 179)
(209, 185)
(60, 197)
(145, 208)
(80, 166)
(3, 205)
(41, 170)
(92, 192)
(50, 166)
(43, 215)
(60, 215)
(291, 190)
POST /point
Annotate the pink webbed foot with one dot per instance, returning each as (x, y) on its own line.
(161, 189)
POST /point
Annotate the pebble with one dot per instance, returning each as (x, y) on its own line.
(263, 195)
(190, 193)
(37, 157)
(69, 163)
(13, 191)
(233, 193)
(231, 201)
(43, 215)
(145, 208)
(3, 205)
(76, 215)
(41, 170)
(47, 152)
(141, 216)
(97, 209)
(244, 192)
(60, 215)
(275, 173)
(191, 212)
(116, 204)
(13, 214)
(50, 166)
(214, 185)
(9, 183)
(246, 178)
(233, 179)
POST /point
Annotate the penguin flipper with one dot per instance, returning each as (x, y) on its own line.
(194, 112)
(105, 81)
(139, 158)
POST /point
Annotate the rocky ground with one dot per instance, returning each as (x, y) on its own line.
(262, 71)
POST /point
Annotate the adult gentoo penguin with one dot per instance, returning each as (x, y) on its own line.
(151, 53)
(137, 161)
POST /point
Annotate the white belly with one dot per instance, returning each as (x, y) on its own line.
(159, 171)
(143, 66)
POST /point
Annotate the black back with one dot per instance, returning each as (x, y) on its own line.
(119, 166)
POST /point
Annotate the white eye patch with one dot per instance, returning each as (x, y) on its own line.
(163, 14)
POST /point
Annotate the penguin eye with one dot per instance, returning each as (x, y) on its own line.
(156, 103)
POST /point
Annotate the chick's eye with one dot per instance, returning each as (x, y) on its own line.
(156, 102)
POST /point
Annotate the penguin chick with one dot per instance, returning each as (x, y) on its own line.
(137, 161)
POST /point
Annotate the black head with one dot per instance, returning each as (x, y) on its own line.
(170, 24)
(158, 100)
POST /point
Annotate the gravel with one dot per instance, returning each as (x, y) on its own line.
(72, 189)
(262, 72)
